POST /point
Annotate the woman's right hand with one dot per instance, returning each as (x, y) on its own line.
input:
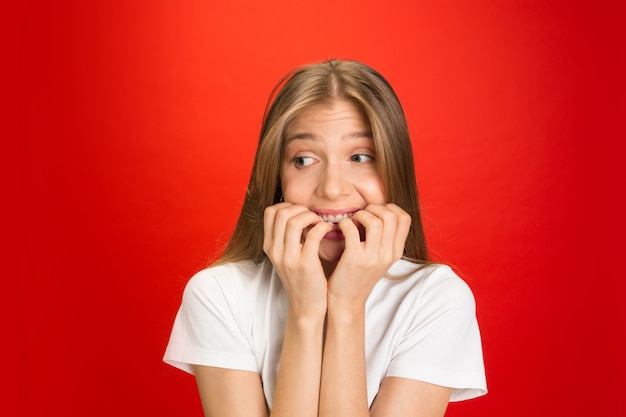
(292, 236)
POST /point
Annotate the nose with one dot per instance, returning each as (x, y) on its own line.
(334, 182)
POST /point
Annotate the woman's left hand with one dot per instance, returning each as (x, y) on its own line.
(363, 263)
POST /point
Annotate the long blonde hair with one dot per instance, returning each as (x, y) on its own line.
(323, 83)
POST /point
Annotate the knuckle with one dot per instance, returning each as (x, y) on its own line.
(269, 212)
(404, 218)
(389, 217)
(377, 222)
(291, 222)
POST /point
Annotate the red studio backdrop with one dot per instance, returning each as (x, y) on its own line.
(138, 122)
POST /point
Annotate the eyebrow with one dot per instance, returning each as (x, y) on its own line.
(310, 136)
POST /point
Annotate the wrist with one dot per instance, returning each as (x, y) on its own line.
(346, 313)
(307, 318)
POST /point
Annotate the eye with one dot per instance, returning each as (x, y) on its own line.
(361, 157)
(303, 161)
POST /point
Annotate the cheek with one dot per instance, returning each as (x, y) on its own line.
(296, 190)
(373, 191)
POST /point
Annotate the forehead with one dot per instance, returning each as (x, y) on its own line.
(338, 114)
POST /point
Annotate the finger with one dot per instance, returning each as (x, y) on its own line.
(274, 224)
(372, 226)
(269, 219)
(403, 227)
(283, 216)
(295, 227)
(314, 238)
(389, 220)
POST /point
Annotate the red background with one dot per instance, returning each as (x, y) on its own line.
(135, 124)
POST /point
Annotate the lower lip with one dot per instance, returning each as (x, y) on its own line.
(334, 235)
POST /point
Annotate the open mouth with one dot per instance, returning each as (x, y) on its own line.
(335, 218)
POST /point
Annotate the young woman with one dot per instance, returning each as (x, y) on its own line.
(324, 302)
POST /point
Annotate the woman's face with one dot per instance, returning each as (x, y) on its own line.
(329, 166)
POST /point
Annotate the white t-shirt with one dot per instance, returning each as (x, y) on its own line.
(421, 327)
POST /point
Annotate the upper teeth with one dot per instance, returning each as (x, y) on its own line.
(335, 218)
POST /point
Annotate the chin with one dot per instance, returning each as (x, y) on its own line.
(331, 251)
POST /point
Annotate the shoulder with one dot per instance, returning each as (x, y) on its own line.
(431, 283)
(230, 278)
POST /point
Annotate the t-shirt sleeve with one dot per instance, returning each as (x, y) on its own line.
(208, 329)
(442, 345)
